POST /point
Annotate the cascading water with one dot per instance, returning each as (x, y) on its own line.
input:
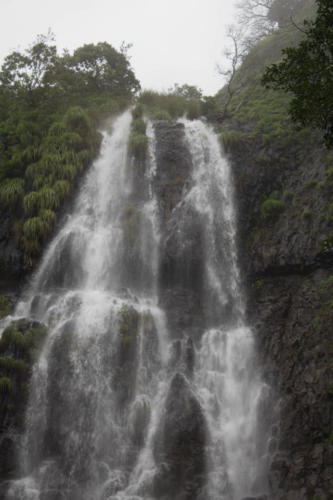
(121, 407)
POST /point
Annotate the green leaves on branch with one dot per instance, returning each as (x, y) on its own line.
(11, 191)
(307, 72)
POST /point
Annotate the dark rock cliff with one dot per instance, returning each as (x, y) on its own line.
(287, 276)
(290, 304)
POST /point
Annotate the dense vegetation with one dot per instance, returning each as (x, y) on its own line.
(50, 106)
(178, 101)
(307, 72)
(256, 119)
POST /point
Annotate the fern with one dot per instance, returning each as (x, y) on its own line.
(49, 162)
(61, 188)
(32, 170)
(42, 181)
(48, 198)
(56, 129)
(48, 217)
(35, 228)
(11, 191)
(31, 203)
(71, 140)
(66, 171)
(31, 154)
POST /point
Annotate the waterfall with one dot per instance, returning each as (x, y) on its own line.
(124, 404)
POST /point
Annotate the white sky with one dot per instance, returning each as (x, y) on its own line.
(173, 40)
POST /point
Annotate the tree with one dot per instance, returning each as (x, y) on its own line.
(282, 11)
(187, 91)
(234, 55)
(307, 72)
(254, 19)
(28, 71)
(101, 67)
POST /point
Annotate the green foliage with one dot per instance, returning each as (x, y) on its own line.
(310, 184)
(50, 107)
(48, 217)
(288, 195)
(61, 188)
(306, 214)
(5, 306)
(139, 126)
(306, 72)
(48, 198)
(128, 319)
(171, 105)
(131, 222)
(271, 208)
(137, 111)
(33, 228)
(138, 144)
(325, 313)
(19, 344)
(230, 139)
(31, 203)
(159, 114)
(11, 192)
(257, 284)
(327, 243)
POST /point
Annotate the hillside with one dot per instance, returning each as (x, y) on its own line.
(284, 186)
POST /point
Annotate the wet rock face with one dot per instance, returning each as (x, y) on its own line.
(174, 165)
(182, 253)
(180, 445)
(126, 360)
(285, 269)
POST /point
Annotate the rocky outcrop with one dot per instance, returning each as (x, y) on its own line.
(180, 445)
(287, 275)
(182, 244)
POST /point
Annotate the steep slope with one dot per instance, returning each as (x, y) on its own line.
(283, 179)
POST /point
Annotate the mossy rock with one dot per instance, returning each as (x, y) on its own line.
(131, 223)
(138, 144)
(128, 318)
(19, 346)
(271, 208)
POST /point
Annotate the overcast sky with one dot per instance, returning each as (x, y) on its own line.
(173, 40)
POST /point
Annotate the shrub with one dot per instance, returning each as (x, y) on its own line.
(139, 126)
(31, 203)
(131, 221)
(77, 120)
(35, 228)
(271, 208)
(48, 198)
(48, 217)
(193, 109)
(288, 195)
(137, 112)
(11, 191)
(159, 114)
(5, 306)
(138, 144)
(230, 139)
(61, 188)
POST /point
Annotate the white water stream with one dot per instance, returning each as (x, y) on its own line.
(99, 388)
